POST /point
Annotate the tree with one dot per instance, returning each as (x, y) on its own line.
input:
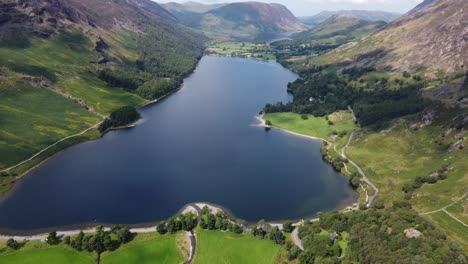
(276, 235)
(293, 253)
(108, 245)
(211, 221)
(52, 238)
(237, 229)
(379, 204)
(173, 225)
(161, 228)
(13, 244)
(288, 226)
(124, 235)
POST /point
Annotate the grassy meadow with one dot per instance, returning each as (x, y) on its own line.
(226, 247)
(35, 252)
(246, 50)
(393, 157)
(33, 118)
(147, 248)
(38, 88)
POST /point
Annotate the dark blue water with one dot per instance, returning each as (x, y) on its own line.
(199, 144)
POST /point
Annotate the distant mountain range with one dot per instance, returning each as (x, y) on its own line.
(189, 8)
(371, 16)
(245, 21)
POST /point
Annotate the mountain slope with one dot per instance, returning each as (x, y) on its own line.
(370, 16)
(246, 21)
(188, 8)
(66, 64)
(434, 38)
(330, 34)
(346, 27)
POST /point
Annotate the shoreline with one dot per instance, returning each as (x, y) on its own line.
(263, 124)
(25, 173)
(89, 225)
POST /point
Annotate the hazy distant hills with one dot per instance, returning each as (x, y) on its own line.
(189, 8)
(359, 14)
(245, 21)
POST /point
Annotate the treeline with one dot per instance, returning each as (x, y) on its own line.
(440, 175)
(264, 230)
(219, 221)
(120, 117)
(376, 236)
(173, 225)
(323, 91)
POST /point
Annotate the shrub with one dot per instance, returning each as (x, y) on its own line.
(13, 244)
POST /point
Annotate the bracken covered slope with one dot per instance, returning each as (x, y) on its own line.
(433, 38)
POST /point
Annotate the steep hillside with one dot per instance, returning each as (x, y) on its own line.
(421, 6)
(189, 8)
(330, 34)
(433, 38)
(67, 64)
(246, 21)
(341, 28)
(370, 16)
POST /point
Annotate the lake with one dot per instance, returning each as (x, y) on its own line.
(201, 144)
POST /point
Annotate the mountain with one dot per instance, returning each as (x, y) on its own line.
(428, 39)
(371, 16)
(245, 21)
(189, 8)
(330, 34)
(422, 5)
(339, 29)
(67, 64)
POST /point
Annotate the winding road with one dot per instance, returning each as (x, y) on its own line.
(364, 176)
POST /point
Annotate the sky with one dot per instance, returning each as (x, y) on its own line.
(312, 7)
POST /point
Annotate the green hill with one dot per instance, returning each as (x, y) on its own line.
(245, 21)
(64, 65)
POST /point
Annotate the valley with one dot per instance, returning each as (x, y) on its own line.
(109, 107)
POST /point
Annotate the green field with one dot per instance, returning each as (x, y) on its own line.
(70, 69)
(396, 156)
(146, 248)
(245, 50)
(313, 126)
(33, 118)
(454, 229)
(41, 253)
(230, 248)
(38, 94)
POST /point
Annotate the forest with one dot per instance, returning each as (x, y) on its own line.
(322, 91)
(386, 235)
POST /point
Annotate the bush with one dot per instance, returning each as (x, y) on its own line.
(304, 117)
(288, 227)
(408, 188)
(13, 244)
(53, 239)
(268, 123)
(378, 204)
